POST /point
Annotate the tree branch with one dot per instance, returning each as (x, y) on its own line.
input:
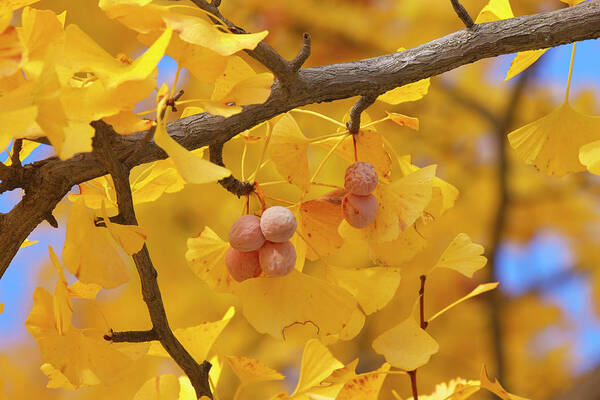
(52, 178)
(132, 336)
(230, 183)
(462, 14)
(361, 105)
(198, 373)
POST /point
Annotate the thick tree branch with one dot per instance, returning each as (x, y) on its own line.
(198, 373)
(53, 177)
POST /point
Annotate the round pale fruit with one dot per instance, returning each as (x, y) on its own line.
(278, 224)
(242, 265)
(359, 211)
(245, 233)
(361, 178)
(277, 259)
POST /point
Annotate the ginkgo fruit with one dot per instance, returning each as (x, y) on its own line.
(278, 224)
(277, 259)
(359, 211)
(245, 233)
(242, 265)
(361, 178)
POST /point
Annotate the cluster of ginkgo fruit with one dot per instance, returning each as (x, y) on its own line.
(262, 245)
(360, 205)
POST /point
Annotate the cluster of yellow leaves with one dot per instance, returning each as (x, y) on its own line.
(561, 142)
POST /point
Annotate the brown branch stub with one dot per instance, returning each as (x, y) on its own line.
(198, 374)
(462, 14)
(423, 322)
(231, 184)
(16, 152)
(132, 336)
(361, 105)
(302, 55)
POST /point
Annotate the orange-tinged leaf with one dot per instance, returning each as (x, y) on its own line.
(482, 288)
(317, 364)
(456, 389)
(552, 142)
(462, 255)
(288, 150)
(163, 387)
(299, 304)
(198, 339)
(411, 92)
(369, 148)
(319, 221)
(364, 386)
(495, 387)
(206, 258)
(89, 252)
(495, 10)
(406, 346)
(404, 120)
(372, 287)
(11, 51)
(522, 61)
(249, 370)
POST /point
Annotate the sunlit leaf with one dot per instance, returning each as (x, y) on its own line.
(288, 149)
(163, 387)
(406, 345)
(463, 256)
(249, 370)
(495, 387)
(522, 61)
(495, 10)
(482, 288)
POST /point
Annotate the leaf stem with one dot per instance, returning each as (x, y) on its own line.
(316, 114)
(259, 165)
(570, 72)
(327, 156)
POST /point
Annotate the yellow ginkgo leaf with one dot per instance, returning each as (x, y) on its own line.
(27, 147)
(83, 357)
(364, 386)
(40, 31)
(401, 250)
(572, 3)
(369, 148)
(249, 370)
(238, 86)
(131, 238)
(186, 390)
(317, 364)
(55, 378)
(156, 178)
(192, 26)
(372, 287)
(495, 10)
(406, 346)
(1, 308)
(522, 61)
(83, 290)
(192, 167)
(196, 339)
(89, 252)
(456, 389)
(319, 221)
(206, 258)
(411, 92)
(126, 123)
(61, 301)
(484, 287)
(191, 111)
(404, 120)
(288, 150)
(589, 155)
(17, 113)
(299, 306)
(401, 203)
(552, 142)
(163, 387)
(495, 387)
(462, 255)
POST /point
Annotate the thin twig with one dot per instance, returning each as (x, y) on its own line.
(413, 384)
(361, 105)
(462, 14)
(422, 321)
(16, 151)
(132, 336)
(302, 55)
(197, 373)
(230, 183)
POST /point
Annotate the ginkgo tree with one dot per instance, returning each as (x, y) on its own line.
(121, 142)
